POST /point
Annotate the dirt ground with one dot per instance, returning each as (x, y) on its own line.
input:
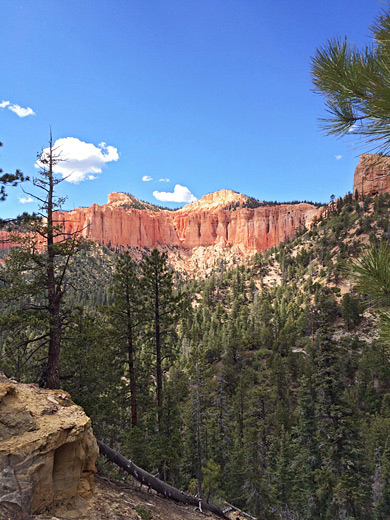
(119, 501)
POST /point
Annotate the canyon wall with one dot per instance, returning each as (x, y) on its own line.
(372, 175)
(225, 218)
(219, 218)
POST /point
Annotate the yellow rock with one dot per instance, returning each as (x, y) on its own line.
(47, 449)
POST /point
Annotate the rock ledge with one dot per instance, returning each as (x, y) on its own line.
(47, 449)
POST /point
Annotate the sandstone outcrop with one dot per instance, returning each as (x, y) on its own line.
(372, 175)
(195, 235)
(47, 449)
(220, 218)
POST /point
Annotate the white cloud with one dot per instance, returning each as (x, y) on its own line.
(352, 128)
(147, 178)
(80, 161)
(25, 200)
(20, 111)
(164, 180)
(17, 109)
(180, 194)
(338, 157)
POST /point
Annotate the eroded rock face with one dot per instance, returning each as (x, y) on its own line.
(372, 175)
(217, 219)
(47, 449)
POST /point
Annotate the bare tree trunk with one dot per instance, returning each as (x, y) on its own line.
(133, 388)
(234, 508)
(198, 440)
(54, 294)
(53, 362)
(154, 483)
(130, 353)
(158, 357)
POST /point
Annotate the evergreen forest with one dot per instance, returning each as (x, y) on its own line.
(266, 384)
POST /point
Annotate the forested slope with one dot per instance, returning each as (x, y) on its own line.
(275, 387)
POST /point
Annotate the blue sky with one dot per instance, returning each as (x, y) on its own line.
(209, 94)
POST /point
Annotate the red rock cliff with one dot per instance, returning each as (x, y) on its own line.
(218, 218)
(372, 175)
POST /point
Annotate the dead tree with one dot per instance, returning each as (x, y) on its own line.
(154, 483)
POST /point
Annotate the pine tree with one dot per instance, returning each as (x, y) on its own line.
(377, 438)
(340, 491)
(36, 272)
(356, 86)
(127, 315)
(307, 459)
(258, 437)
(161, 311)
(9, 179)
(350, 310)
(371, 275)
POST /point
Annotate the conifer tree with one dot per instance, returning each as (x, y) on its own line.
(307, 459)
(371, 274)
(36, 272)
(258, 436)
(356, 86)
(9, 179)
(161, 311)
(127, 315)
(12, 180)
(340, 489)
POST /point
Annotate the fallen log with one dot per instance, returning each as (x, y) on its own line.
(154, 483)
(234, 508)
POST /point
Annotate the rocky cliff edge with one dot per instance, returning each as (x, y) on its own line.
(220, 218)
(372, 175)
(47, 449)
